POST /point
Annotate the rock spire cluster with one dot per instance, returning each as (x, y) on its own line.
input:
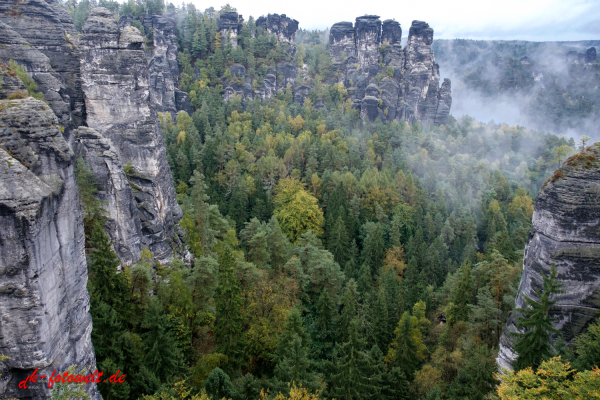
(385, 80)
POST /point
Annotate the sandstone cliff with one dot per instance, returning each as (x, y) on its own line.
(43, 273)
(121, 109)
(101, 94)
(408, 84)
(565, 233)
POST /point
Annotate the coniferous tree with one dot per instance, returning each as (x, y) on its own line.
(403, 350)
(533, 346)
(163, 358)
(353, 370)
(349, 305)
(218, 385)
(105, 284)
(228, 301)
(337, 241)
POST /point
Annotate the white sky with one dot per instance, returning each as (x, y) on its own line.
(549, 20)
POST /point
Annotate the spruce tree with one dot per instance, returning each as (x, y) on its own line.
(104, 283)
(403, 350)
(533, 346)
(163, 357)
(353, 371)
(218, 385)
(349, 305)
(228, 301)
(337, 241)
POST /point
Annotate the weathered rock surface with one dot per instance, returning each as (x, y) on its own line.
(230, 24)
(163, 70)
(115, 79)
(49, 53)
(409, 88)
(566, 233)
(43, 298)
(126, 78)
(279, 25)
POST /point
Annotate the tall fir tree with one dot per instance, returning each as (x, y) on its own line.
(533, 346)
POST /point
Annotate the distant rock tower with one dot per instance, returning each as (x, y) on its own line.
(230, 25)
(385, 80)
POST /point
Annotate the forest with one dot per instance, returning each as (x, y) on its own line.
(324, 256)
(554, 91)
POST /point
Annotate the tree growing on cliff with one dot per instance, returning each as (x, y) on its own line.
(533, 346)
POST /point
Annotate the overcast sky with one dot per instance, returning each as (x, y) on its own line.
(539, 20)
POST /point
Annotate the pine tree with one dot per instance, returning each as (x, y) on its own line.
(533, 346)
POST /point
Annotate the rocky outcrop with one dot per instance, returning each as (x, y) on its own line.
(115, 83)
(163, 69)
(49, 53)
(43, 298)
(590, 55)
(408, 85)
(279, 25)
(565, 233)
(230, 25)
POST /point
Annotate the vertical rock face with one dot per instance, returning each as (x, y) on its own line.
(341, 41)
(565, 233)
(279, 25)
(114, 74)
(163, 70)
(391, 32)
(368, 37)
(48, 52)
(43, 274)
(409, 78)
(277, 77)
(230, 24)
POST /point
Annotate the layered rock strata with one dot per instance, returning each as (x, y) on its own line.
(43, 298)
(385, 80)
(565, 233)
(114, 74)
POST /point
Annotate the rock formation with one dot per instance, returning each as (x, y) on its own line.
(101, 94)
(163, 69)
(230, 24)
(277, 77)
(386, 80)
(565, 233)
(114, 75)
(279, 25)
(43, 273)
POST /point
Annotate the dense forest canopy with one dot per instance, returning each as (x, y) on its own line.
(324, 256)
